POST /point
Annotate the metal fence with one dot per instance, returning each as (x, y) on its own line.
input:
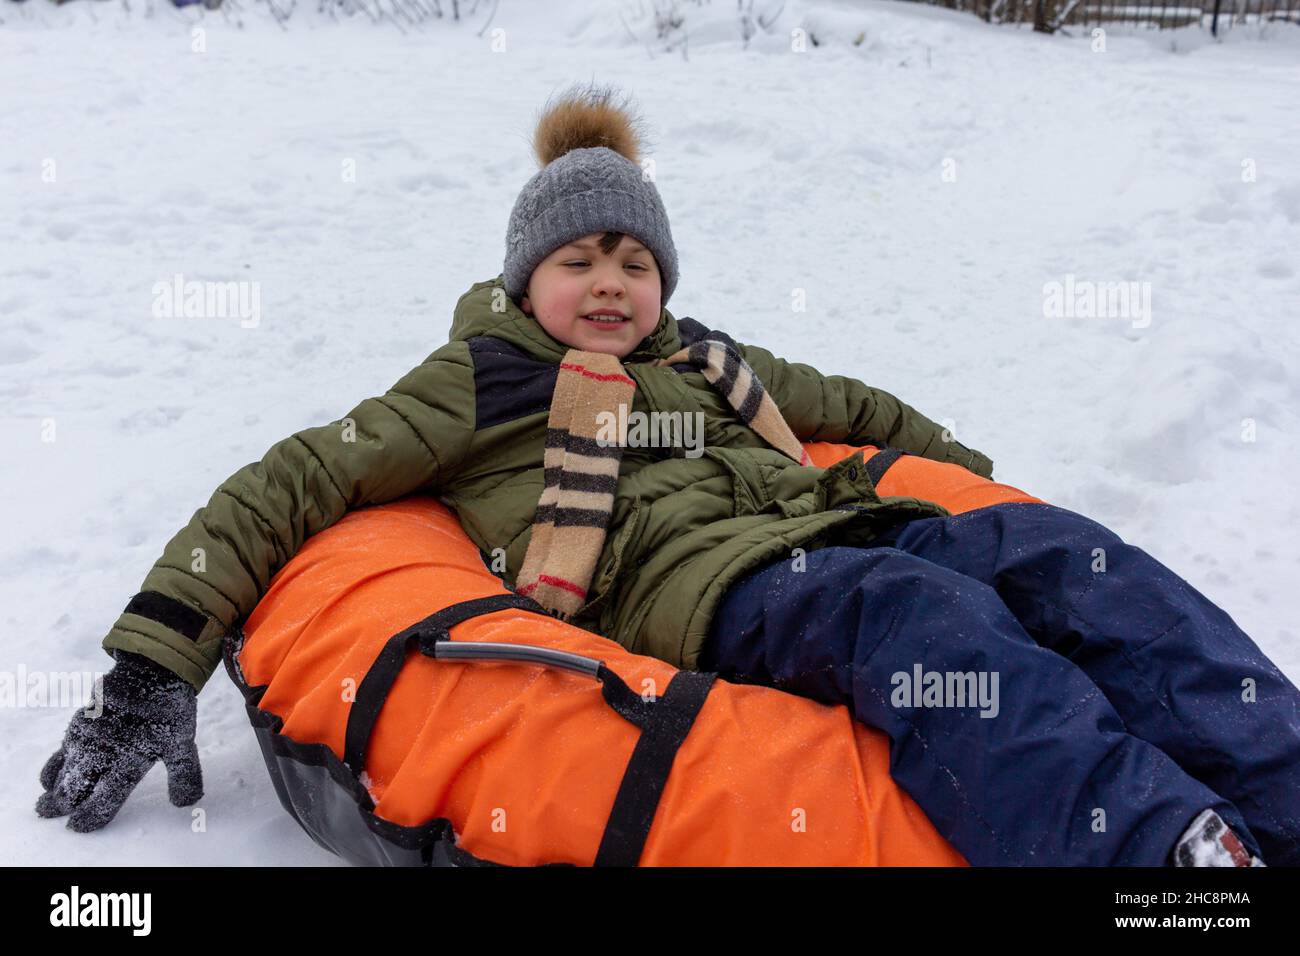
(1049, 15)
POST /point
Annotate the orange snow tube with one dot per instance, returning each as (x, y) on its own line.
(394, 686)
(897, 473)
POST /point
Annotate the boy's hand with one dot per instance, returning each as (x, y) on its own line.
(148, 714)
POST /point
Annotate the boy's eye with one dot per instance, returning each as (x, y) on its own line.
(579, 263)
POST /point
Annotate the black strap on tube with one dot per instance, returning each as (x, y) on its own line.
(664, 722)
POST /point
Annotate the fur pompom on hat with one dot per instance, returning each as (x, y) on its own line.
(591, 181)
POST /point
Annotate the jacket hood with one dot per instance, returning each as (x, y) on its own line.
(486, 310)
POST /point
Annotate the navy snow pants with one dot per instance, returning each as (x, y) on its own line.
(1117, 701)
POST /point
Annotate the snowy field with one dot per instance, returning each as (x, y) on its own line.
(923, 186)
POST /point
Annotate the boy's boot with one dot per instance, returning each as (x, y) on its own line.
(1210, 842)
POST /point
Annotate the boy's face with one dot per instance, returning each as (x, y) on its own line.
(581, 278)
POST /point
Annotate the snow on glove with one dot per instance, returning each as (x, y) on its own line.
(148, 714)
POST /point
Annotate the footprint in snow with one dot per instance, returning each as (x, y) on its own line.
(13, 353)
(1275, 269)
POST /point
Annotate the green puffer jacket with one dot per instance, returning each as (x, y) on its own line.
(469, 425)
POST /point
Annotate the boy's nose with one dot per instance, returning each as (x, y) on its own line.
(607, 282)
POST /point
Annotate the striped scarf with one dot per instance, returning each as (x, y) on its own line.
(581, 473)
(731, 375)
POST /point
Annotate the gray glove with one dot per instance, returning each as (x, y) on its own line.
(148, 714)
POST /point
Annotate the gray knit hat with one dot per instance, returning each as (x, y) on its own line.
(590, 181)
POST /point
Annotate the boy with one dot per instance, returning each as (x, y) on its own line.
(688, 558)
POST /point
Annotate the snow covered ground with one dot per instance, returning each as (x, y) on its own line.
(923, 186)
